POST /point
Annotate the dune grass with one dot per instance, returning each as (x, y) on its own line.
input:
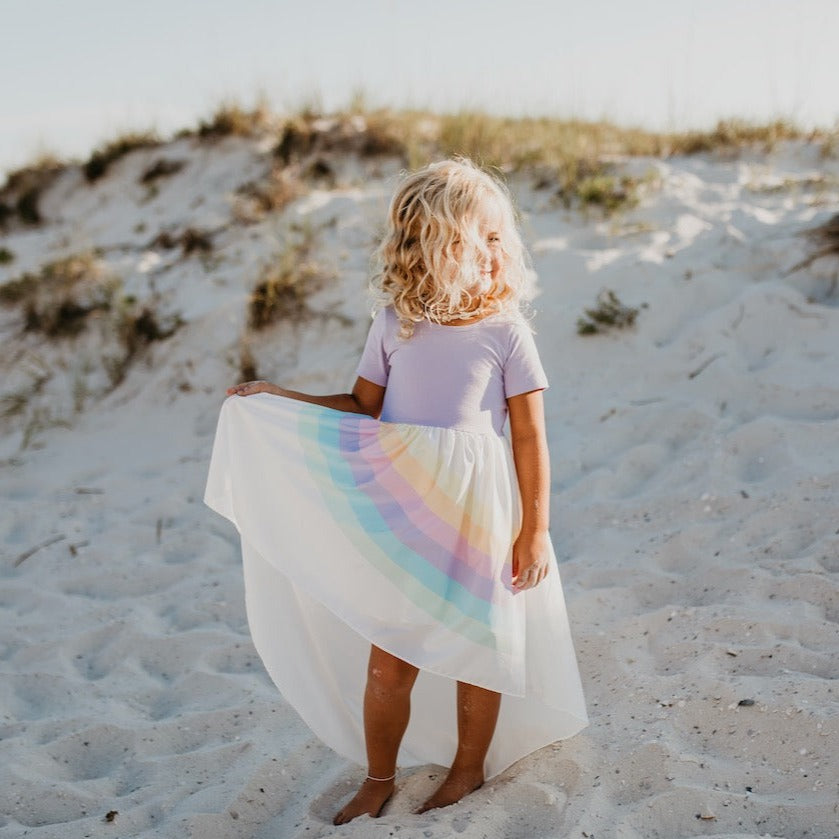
(825, 239)
(57, 300)
(62, 299)
(22, 190)
(574, 154)
(609, 313)
(284, 286)
(107, 154)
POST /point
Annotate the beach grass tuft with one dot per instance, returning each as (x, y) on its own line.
(233, 119)
(107, 154)
(282, 290)
(67, 295)
(609, 313)
(20, 195)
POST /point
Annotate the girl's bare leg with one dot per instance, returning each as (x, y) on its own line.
(387, 708)
(477, 713)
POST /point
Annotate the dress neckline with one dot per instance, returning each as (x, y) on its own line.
(463, 325)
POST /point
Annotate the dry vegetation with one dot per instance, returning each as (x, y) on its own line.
(190, 240)
(283, 289)
(733, 134)
(20, 194)
(161, 168)
(609, 313)
(230, 118)
(576, 159)
(573, 157)
(254, 200)
(827, 235)
(42, 297)
(283, 293)
(73, 314)
(830, 146)
(825, 239)
(62, 299)
(99, 161)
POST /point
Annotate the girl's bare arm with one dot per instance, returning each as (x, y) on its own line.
(530, 452)
(366, 397)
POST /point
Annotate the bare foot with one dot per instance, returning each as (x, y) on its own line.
(370, 798)
(457, 784)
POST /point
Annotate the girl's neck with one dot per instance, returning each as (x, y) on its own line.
(466, 321)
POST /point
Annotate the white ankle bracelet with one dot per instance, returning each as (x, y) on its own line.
(371, 778)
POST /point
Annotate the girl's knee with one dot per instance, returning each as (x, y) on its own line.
(387, 672)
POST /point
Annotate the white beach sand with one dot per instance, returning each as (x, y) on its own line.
(695, 465)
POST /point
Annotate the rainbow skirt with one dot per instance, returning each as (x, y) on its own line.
(357, 531)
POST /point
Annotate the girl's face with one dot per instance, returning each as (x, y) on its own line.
(489, 258)
(490, 226)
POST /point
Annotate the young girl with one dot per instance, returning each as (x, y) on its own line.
(396, 526)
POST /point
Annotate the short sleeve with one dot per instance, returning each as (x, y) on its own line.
(523, 369)
(374, 365)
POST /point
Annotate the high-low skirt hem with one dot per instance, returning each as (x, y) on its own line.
(357, 532)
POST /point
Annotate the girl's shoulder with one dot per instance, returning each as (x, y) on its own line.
(385, 313)
(510, 323)
(383, 317)
(386, 319)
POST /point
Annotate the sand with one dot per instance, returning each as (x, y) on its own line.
(694, 511)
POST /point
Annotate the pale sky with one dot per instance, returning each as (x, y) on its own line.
(75, 73)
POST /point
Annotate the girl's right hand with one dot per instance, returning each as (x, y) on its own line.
(530, 560)
(249, 388)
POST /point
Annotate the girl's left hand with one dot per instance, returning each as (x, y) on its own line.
(530, 560)
(249, 388)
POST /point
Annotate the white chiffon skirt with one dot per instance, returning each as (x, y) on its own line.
(356, 531)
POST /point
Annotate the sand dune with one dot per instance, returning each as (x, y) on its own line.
(694, 512)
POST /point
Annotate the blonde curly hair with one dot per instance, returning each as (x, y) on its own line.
(429, 261)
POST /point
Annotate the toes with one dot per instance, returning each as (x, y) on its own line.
(363, 804)
(451, 791)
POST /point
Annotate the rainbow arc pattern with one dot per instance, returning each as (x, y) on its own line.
(413, 517)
